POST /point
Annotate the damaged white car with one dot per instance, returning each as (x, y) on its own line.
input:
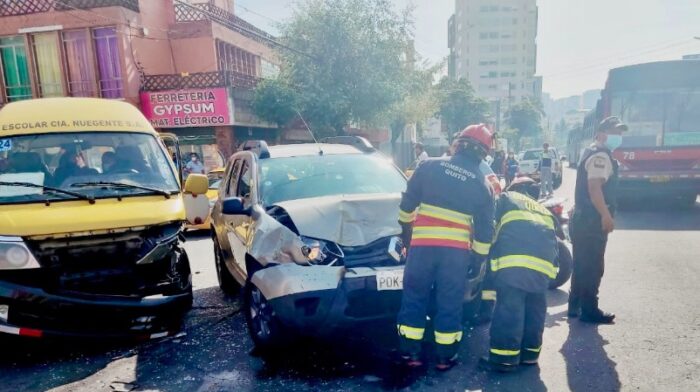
(310, 232)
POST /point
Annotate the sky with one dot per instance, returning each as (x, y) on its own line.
(578, 40)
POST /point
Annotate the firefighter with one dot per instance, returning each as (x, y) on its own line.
(446, 215)
(523, 260)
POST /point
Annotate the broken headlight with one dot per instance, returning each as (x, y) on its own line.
(15, 255)
(321, 252)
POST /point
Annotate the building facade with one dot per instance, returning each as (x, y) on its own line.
(189, 65)
(493, 45)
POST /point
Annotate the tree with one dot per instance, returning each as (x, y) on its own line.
(344, 61)
(526, 118)
(275, 101)
(458, 106)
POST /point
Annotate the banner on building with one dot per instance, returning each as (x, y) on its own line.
(206, 107)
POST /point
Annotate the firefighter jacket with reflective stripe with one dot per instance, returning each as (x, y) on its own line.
(582, 198)
(450, 204)
(524, 251)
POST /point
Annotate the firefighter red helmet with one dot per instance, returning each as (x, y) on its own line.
(477, 138)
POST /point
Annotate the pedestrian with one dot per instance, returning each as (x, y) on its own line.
(592, 221)
(512, 168)
(498, 163)
(421, 155)
(194, 165)
(446, 215)
(546, 163)
(523, 261)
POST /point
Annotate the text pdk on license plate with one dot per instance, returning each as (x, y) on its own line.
(390, 279)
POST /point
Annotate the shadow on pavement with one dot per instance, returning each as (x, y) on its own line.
(588, 367)
(557, 297)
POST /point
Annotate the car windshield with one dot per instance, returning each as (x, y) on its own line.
(93, 164)
(314, 176)
(532, 155)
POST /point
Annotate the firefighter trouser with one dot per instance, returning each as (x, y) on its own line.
(589, 244)
(488, 297)
(445, 271)
(517, 325)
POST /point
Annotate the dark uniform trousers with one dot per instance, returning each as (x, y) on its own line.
(589, 244)
(445, 270)
(517, 325)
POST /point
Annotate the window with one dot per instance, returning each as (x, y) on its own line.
(108, 62)
(234, 59)
(483, 35)
(79, 65)
(245, 182)
(493, 35)
(15, 71)
(48, 65)
(233, 179)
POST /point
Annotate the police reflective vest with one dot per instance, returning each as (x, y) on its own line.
(525, 248)
(449, 202)
(583, 199)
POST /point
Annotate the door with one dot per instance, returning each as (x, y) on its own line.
(238, 227)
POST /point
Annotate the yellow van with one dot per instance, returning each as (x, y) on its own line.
(91, 216)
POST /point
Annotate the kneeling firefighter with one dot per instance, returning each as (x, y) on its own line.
(523, 260)
(446, 215)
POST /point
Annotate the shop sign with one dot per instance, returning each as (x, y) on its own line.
(205, 107)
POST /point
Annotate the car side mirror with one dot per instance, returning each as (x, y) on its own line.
(196, 184)
(234, 206)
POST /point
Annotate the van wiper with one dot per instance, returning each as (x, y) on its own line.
(50, 189)
(162, 192)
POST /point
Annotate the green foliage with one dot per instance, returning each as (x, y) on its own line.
(348, 61)
(419, 100)
(525, 117)
(458, 106)
(274, 101)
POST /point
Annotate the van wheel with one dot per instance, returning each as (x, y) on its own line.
(566, 265)
(265, 329)
(227, 283)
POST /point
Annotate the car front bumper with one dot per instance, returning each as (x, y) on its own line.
(33, 312)
(318, 300)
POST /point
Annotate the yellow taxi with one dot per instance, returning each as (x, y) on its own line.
(215, 176)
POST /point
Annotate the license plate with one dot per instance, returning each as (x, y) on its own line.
(390, 279)
(660, 178)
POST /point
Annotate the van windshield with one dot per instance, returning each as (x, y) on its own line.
(49, 167)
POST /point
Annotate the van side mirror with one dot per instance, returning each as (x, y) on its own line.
(234, 206)
(196, 184)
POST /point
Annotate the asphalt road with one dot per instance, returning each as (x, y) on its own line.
(650, 282)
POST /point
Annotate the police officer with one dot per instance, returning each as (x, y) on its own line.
(523, 261)
(592, 221)
(446, 215)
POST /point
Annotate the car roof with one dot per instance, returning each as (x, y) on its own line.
(311, 149)
(67, 114)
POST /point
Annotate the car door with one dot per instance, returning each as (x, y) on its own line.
(238, 226)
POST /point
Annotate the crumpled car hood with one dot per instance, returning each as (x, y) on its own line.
(348, 220)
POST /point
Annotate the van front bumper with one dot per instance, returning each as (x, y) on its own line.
(33, 312)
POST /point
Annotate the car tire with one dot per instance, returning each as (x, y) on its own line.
(265, 330)
(566, 265)
(557, 181)
(227, 283)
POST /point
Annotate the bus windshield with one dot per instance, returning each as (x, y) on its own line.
(659, 118)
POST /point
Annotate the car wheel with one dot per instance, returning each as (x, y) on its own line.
(265, 330)
(566, 265)
(558, 181)
(227, 282)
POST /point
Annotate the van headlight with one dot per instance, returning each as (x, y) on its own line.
(15, 255)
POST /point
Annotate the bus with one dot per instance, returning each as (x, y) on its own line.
(660, 154)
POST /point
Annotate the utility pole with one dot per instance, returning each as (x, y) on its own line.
(498, 115)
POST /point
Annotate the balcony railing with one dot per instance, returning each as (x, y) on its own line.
(24, 7)
(197, 80)
(210, 12)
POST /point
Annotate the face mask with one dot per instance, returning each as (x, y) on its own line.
(613, 142)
